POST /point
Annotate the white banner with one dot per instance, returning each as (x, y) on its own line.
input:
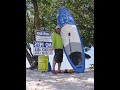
(42, 36)
(43, 51)
(42, 48)
(43, 44)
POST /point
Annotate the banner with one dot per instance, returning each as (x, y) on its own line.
(43, 43)
(42, 36)
(42, 48)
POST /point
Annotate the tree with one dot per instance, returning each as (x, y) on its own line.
(81, 10)
(36, 14)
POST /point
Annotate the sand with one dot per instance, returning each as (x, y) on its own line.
(47, 81)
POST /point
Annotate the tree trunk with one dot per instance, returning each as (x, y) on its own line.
(36, 14)
(37, 23)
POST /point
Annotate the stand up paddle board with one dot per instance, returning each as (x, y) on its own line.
(71, 40)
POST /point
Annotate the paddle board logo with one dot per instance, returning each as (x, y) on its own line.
(64, 17)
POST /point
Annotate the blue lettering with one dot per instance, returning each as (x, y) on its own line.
(47, 44)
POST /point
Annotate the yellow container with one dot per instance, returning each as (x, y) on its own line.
(42, 63)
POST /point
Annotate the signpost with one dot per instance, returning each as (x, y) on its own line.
(42, 48)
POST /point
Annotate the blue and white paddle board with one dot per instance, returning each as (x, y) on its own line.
(71, 40)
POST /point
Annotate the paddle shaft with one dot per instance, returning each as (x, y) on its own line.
(69, 42)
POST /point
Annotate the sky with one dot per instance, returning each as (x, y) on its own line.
(66, 64)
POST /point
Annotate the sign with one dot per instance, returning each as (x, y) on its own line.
(42, 36)
(42, 48)
(43, 44)
(42, 63)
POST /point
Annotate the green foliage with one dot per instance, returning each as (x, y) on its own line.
(81, 10)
